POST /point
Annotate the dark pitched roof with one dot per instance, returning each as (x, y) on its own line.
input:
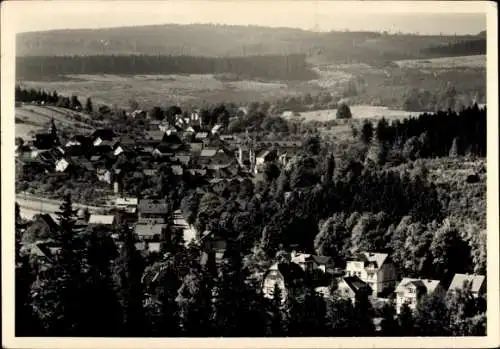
(356, 284)
(44, 141)
(106, 134)
(82, 162)
(172, 139)
(156, 135)
(153, 206)
(291, 272)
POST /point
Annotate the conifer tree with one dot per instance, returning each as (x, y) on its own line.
(129, 269)
(169, 311)
(102, 311)
(389, 324)
(406, 321)
(194, 298)
(276, 320)
(89, 108)
(231, 295)
(25, 320)
(58, 292)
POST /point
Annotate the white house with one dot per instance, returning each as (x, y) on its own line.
(410, 291)
(127, 204)
(118, 150)
(376, 269)
(287, 276)
(61, 165)
(104, 175)
(188, 231)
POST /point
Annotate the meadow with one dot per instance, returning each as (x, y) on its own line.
(34, 118)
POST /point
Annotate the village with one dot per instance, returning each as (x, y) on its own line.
(185, 147)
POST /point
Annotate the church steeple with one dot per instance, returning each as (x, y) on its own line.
(53, 131)
(52, 127)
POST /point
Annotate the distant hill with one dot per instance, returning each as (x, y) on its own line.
(222, 40)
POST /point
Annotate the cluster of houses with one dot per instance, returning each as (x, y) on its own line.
(185, 146)
(367, 274)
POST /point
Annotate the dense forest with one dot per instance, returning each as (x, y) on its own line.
(461, 48)
(279, 67)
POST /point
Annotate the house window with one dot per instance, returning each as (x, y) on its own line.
(411, 290)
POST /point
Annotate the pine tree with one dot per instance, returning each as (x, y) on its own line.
(129, 269)
(276, 320)
(363, 315)
(195, 305)
(454, 148)
(26, 324)
(169, 311)
(89, 108)
(102, 311)
(58, 292)
(231, 295)
(75, 103)
(340, 317)
(406, 321)
(367, 132)
(330, 168)
(389, 324)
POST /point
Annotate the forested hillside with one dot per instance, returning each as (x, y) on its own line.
(221, 40)
(286, 67)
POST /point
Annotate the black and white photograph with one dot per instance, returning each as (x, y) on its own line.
(249, 170)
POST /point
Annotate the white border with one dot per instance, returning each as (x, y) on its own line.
(10, 12)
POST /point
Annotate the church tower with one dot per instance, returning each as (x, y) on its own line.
(53, 132)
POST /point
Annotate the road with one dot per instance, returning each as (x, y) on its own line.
(31, 205)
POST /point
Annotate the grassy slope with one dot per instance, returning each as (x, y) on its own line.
(33, 118)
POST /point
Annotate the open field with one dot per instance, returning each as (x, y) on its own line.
(478, 61)
(358, 112)
(151, 90)
(33, 118)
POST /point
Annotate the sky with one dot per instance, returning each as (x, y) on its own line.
(404, 16)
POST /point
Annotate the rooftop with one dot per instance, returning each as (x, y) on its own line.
(149, 229)
(154, 206)
(459, 280)
(101, 219)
